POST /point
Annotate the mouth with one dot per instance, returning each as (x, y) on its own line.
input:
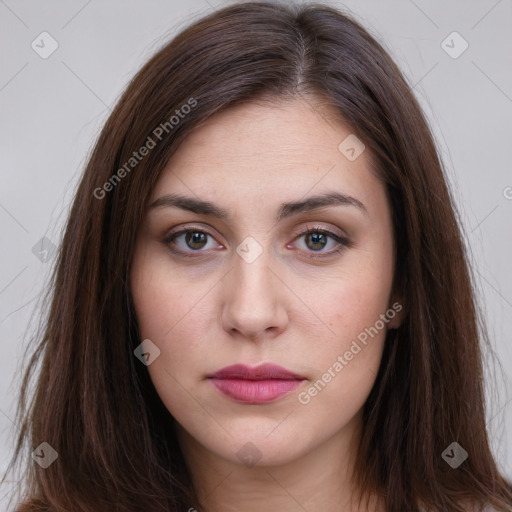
(263, 384)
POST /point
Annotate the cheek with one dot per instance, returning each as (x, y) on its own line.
(176, 325)
(168, 314)
(162, 298)
(355, 306)
(174, 312)
(344, 368)
(351, 300)
(349, 360)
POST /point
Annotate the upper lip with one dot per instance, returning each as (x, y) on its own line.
(265, 371)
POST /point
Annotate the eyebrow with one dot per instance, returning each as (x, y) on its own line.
(285, 210)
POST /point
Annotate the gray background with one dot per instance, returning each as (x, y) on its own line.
(52, 109)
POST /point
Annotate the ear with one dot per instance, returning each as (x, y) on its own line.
(396, 313)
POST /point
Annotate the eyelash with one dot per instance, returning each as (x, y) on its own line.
(342, 242)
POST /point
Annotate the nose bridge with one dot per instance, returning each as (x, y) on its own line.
(253, 276)
(251, 260)
(252, 286)
(253, 300)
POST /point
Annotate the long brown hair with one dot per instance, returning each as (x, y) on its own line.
(94, 403)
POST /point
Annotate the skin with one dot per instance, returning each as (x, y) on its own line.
(286, 307)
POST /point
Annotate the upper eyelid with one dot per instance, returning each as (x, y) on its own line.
(307, 229)
(337, 237)
(181, 231)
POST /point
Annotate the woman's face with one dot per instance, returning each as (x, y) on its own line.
(252, 287)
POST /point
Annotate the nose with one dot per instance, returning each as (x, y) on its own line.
(254, 300)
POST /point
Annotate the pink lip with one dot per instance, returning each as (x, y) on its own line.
(262, 384)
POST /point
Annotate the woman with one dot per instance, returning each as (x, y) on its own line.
(262, 300)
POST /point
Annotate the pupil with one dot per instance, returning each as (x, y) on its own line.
(315, 239)
(196, 238)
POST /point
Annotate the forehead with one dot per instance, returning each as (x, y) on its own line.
(282, 133)
(257, 151)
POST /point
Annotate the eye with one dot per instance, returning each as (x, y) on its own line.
(194, 240)
(316, 239)
(188, 241)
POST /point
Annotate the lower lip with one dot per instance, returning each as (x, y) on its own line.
(255, 391)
